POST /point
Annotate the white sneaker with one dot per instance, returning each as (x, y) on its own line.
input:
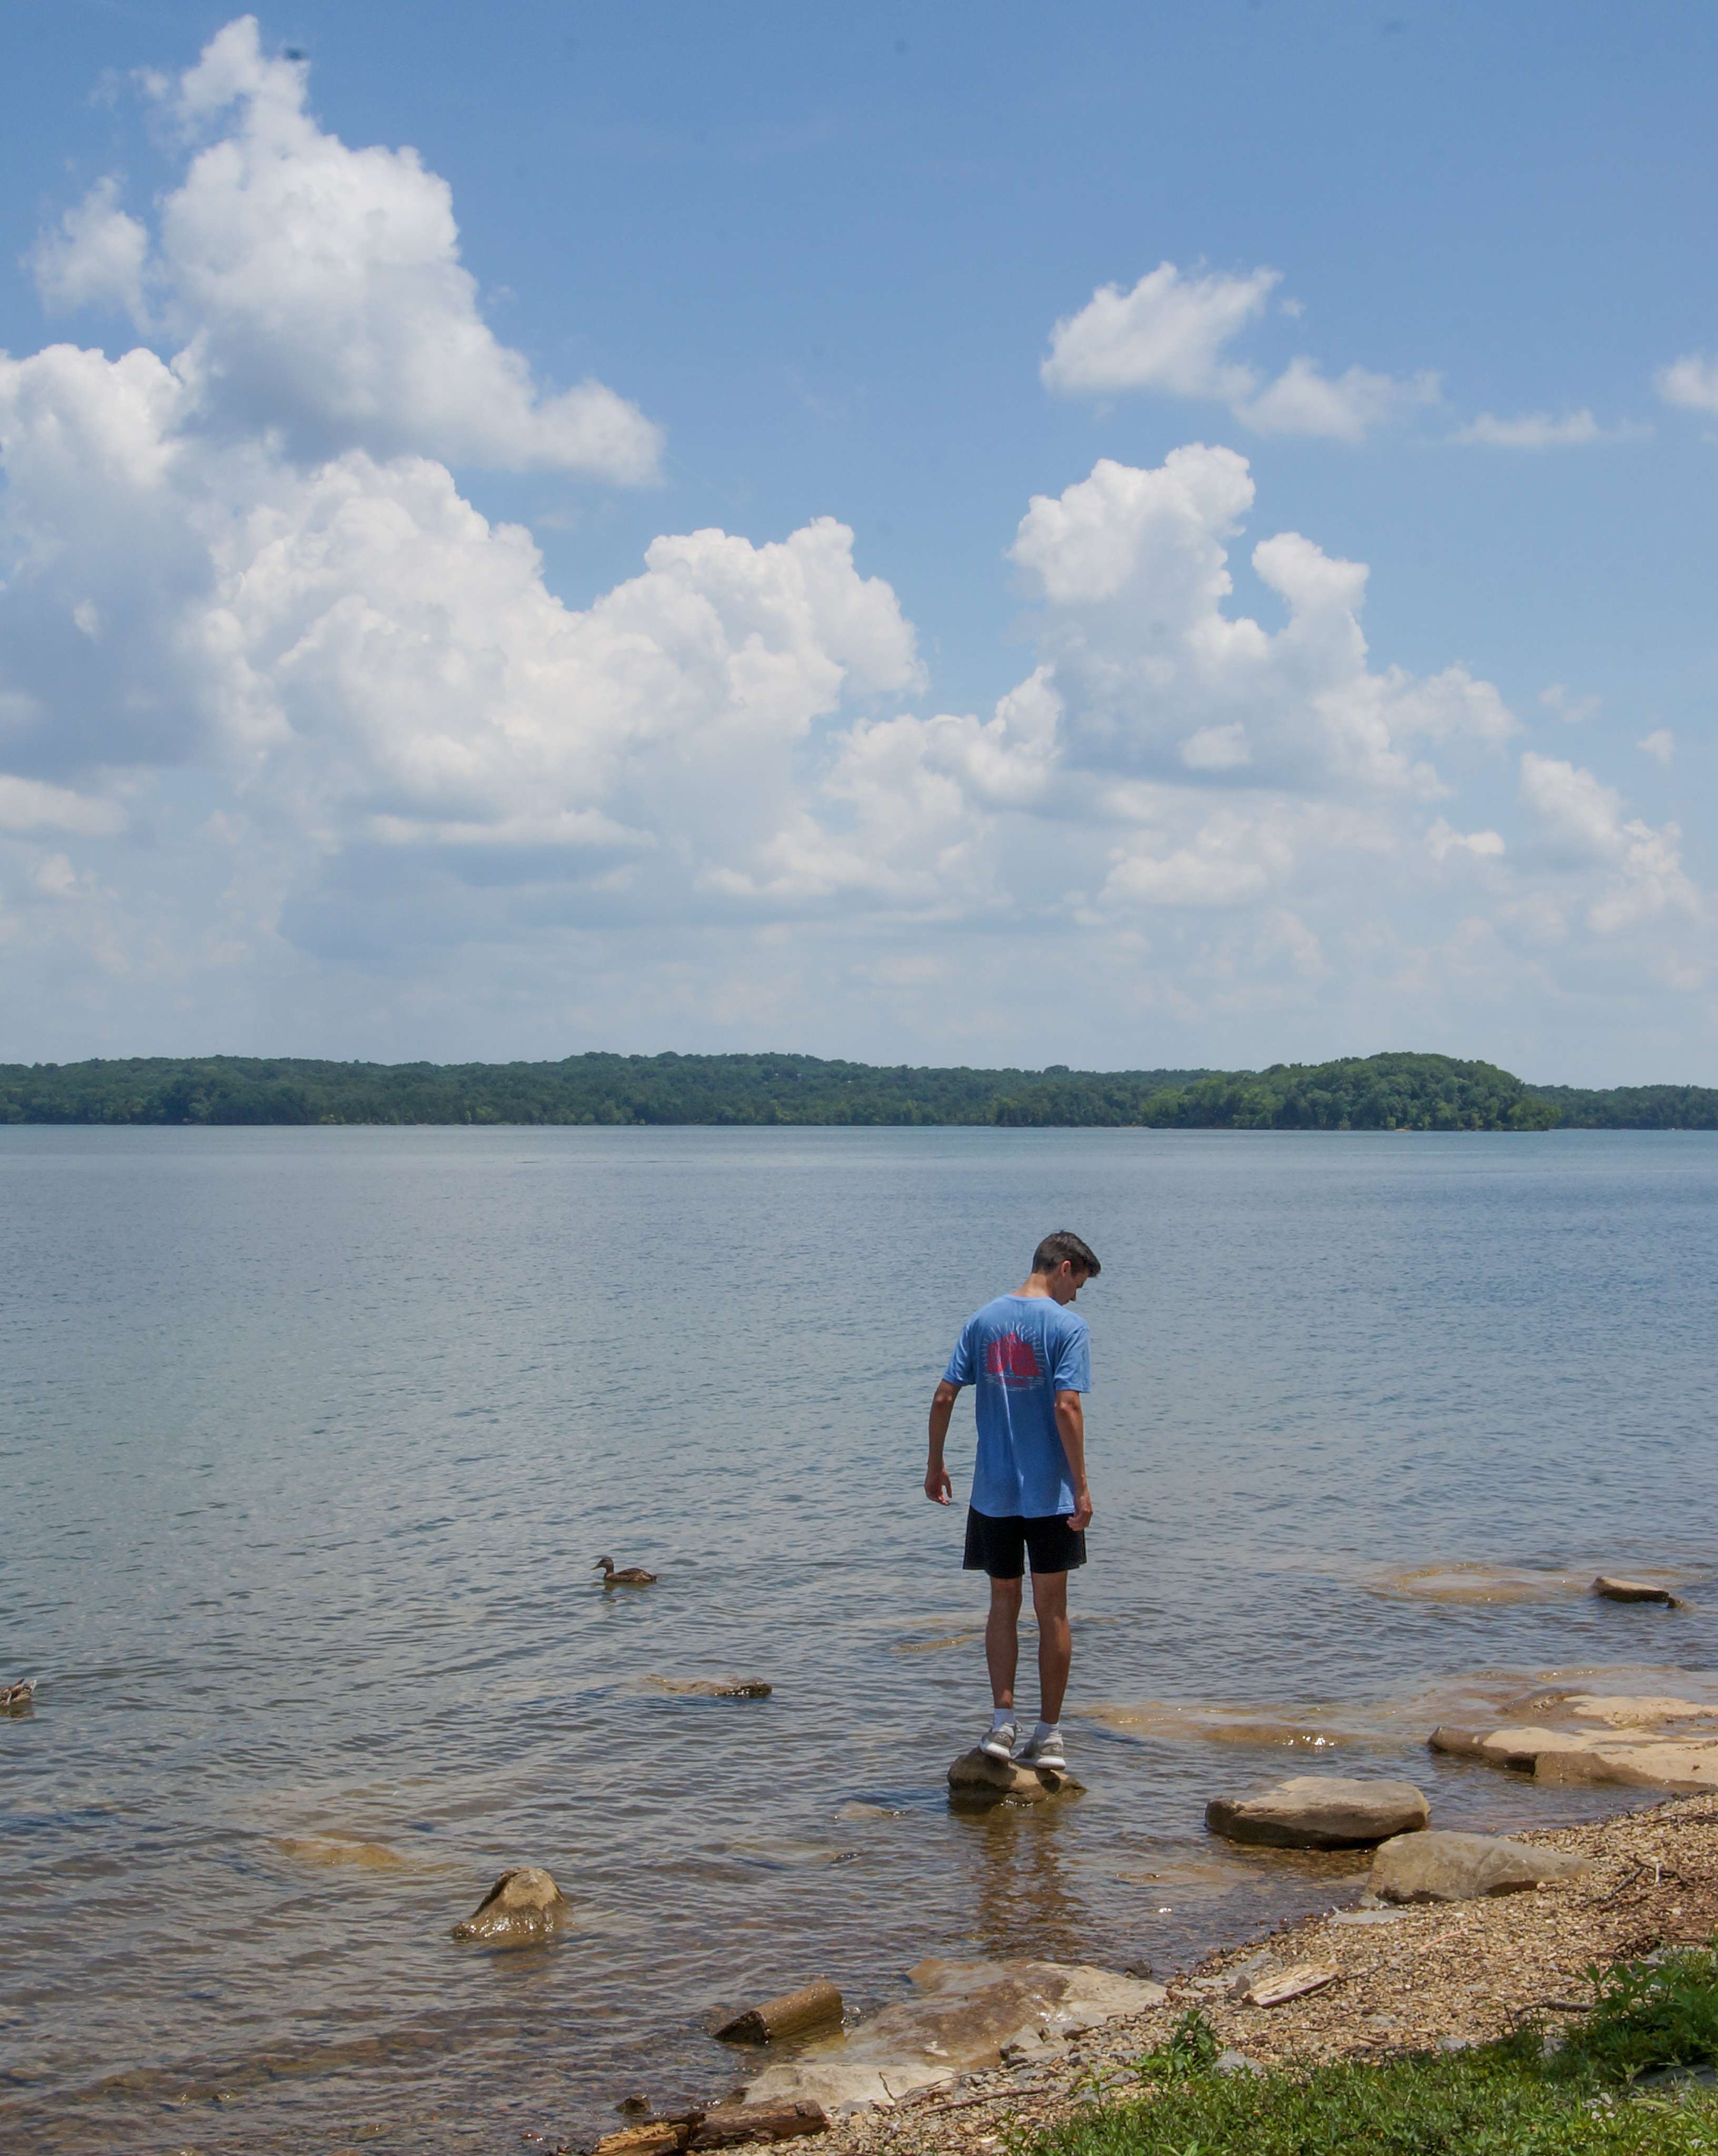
(1049, 1754)
(999, 1744)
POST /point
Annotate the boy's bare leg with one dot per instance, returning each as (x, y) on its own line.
(1001, 1640)
(1055, 1639)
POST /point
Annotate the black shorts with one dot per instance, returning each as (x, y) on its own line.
(1001, 1547)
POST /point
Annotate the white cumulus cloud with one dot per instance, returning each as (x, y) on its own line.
(284, 717)
(1584, 822)
(1570, 709)
(1444, 839)
(1691, 382)
(1531, 430)
(94, 258)
(319, 292)
(1169, 333)
(1156, 677)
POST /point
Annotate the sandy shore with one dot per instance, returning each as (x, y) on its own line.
(1447, 1973)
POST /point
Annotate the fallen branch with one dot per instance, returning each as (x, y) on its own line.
(967, 2102)
(1599, 1900)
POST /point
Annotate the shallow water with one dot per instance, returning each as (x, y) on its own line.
(309, 1440)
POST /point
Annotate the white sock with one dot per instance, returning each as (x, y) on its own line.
(1046, 1729)
(1001, 1717)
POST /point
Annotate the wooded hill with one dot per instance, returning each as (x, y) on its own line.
(1370, 1093)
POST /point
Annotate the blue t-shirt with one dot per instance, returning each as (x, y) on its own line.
(1020, 1351)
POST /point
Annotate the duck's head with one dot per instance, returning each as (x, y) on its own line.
(603, 1564)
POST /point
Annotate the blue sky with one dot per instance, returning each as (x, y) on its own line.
(955, 716)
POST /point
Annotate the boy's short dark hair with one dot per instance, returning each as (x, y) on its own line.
(1051, 1253)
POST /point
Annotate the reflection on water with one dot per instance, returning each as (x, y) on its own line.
(308, 1441)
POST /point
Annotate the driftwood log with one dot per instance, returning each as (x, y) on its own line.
(728, 2127)
(657, 2137)
(792, 2015)
(737, 2122)
(1281, 1985)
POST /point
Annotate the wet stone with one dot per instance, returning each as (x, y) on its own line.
(1633, 1590)
(975, 1777)
(522, 1909)
(1319, 1811)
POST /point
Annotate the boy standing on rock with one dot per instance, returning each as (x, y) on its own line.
(1029, 1355)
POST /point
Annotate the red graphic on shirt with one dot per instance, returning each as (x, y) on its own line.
(1011, 1359)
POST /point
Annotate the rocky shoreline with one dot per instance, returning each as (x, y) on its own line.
(1417, 1978)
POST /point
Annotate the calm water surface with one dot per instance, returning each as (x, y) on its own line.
(309, 1440)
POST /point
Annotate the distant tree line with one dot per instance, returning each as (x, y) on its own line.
(1355, 1093)
(1634, 1107)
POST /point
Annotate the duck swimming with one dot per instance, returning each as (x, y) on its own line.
(633, 1575)
(16, 1698)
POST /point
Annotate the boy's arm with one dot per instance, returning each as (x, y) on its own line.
(937, 1487)
(1071, 1427)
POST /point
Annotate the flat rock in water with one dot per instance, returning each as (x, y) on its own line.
(981, 1779)
(963, 2017)
(522, 1908)
(1648, 1743)
(1439, 1866)
(1632, 1590)
(1319, 1811)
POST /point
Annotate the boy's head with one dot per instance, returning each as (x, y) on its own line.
(1063, 1249)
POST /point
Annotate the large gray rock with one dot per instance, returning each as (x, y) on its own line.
(1319, 1811)
(523, 1908)
(1464, 1867)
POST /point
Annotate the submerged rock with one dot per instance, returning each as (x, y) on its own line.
(966, 2013)
(523, 1908)
(1319, 1811)
(1439, 1866)
(978, 1778)
(1480, 1584)
(711, 1687)
(336, 1849)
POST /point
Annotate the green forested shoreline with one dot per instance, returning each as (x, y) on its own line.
(1403, 1093)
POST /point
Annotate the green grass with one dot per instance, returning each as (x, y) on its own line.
(1504, 2099)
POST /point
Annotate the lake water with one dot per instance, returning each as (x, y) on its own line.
(309, 1440)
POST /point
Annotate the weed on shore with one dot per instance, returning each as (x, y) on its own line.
(1596, 2093)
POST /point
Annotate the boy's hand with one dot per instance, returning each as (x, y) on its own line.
(1081, 1517)
(937, 1487)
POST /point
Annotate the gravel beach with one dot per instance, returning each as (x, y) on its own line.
(1412, 1978)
